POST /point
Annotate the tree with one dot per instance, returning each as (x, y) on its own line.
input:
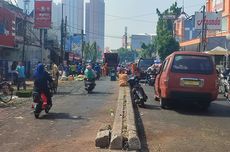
(165, 42)
(90, 52)
(147, 50)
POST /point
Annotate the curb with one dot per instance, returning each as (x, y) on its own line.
(133, 139)
(116, 136)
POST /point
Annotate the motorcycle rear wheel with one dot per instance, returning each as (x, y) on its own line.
(37, 110)
(142, 104)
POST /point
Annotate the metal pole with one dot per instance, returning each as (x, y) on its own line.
(42, 45)
(82, 44)
(24, 38)
(202, 30)
(62, 33)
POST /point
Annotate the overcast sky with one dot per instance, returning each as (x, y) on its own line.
(138, 15)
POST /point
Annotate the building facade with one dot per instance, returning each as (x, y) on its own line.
(191, 39)
(19, 41)
(74, 11)
(95, 22)
(138, 40)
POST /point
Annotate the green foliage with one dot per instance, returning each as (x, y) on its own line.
(91, 52)
(147, 51)
(165, 42)
(24, 93)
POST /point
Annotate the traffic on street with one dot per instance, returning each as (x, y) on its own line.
(114, 75)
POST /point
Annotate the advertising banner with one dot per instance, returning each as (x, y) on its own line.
(43, 10)
(73, 44)
(212, 20)
(7, 28)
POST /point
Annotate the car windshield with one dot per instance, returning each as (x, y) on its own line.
(145, 63)
(192, 64)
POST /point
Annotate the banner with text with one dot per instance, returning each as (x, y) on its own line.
(211, 20)
(7, 28)
(43, 10)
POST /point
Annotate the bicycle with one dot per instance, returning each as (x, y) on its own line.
(6, 91)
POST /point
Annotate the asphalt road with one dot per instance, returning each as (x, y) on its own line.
(71, 125)
(184, 128)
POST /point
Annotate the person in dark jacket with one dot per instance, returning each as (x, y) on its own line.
(42, 79)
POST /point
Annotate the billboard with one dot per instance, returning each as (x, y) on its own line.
(7, 28)
(212, 20)
(43, 10)
(73, 44)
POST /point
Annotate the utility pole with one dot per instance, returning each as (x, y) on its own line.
(42, 44)
(26, 9)
(82, 44)
(24, 37)
(64, 37)
(126, 39)
(203, 32)
(62, 34)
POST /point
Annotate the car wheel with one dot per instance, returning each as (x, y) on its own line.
(163, 103)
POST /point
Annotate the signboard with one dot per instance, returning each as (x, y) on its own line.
(169, 17)
(7, 28)
(212, 20)
(73, 44)
(43, 9)
(217, 5)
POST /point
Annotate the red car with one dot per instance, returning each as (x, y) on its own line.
(187, 77)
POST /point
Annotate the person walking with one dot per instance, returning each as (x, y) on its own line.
(20, 70)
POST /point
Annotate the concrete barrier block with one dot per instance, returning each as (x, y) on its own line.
(116, 141)
(133, 139)
(103, 139)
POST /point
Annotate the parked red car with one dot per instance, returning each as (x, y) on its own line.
(187, 77)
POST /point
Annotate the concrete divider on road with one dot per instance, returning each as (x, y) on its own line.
(116, 141)
(133, 139)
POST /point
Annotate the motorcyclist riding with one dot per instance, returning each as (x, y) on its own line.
(41, 82)
(90, 73)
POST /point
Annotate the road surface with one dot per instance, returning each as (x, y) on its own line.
(71, 125)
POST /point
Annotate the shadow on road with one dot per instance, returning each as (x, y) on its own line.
(151, 107)
(53, 116)
(101, 93)
(3, 105)
(141, 131)
(215, 110)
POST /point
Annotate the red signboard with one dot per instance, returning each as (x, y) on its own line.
(7, 28)
(43, 9)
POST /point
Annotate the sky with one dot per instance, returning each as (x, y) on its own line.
(138, 15)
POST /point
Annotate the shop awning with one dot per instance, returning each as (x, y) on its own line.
(218, 51)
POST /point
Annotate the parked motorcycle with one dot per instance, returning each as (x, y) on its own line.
(151, 79)
(150, 76)
(137, 92)
(89, 85)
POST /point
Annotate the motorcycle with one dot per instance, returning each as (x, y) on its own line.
(151, 79)
(226, 87)
(40, 102)
(137, 92)
(89, 85)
